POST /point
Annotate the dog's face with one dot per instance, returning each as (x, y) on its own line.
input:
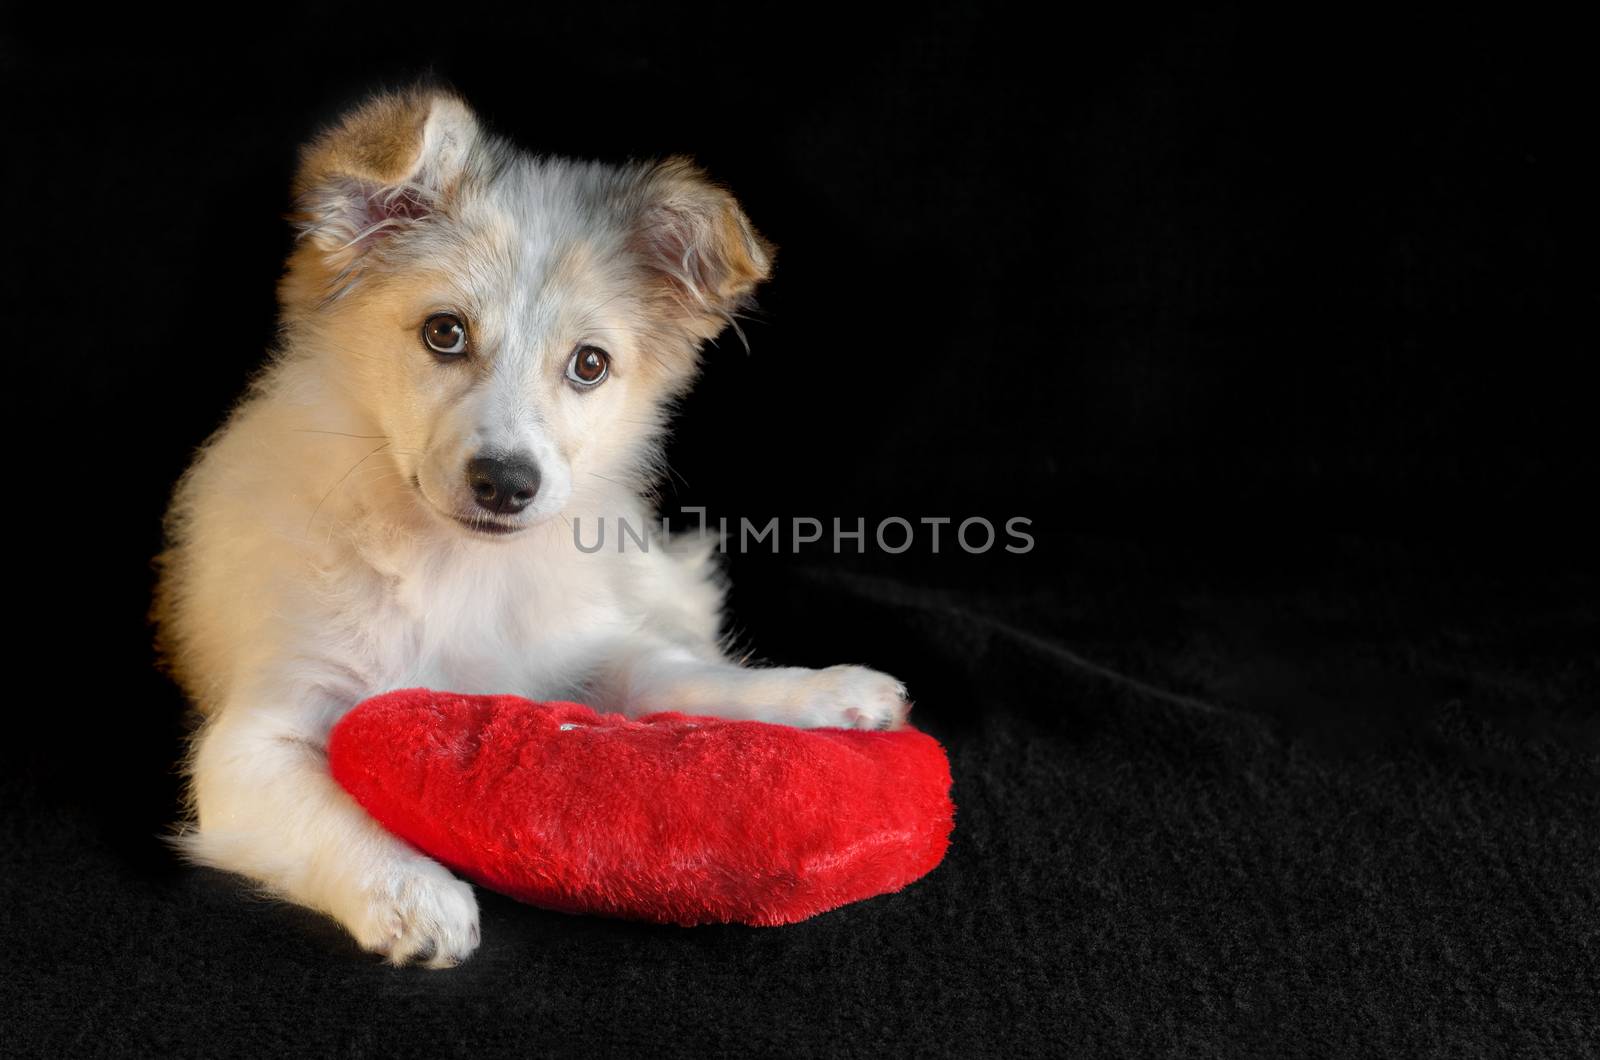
(516, 327)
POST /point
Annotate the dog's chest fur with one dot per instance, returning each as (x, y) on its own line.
(472, 619)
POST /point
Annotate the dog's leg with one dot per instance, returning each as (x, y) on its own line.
(644, 677)
(268, 809)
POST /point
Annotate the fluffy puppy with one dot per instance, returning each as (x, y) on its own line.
(478, 350)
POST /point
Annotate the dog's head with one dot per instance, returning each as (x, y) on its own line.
(514, 326)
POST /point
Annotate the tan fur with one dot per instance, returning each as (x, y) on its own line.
(706, 212)
(378, 141)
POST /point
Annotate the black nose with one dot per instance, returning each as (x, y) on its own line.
(501, 485)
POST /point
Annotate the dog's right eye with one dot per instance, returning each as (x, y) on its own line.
(445, 334)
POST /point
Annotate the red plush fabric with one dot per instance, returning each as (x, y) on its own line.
(670, 818)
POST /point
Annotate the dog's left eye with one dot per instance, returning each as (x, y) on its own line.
(445, 334)
(589, 366)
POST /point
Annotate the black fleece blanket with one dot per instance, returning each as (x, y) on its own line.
(1349, 809)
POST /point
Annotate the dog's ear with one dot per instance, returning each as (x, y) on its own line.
(699, 247)
(388, 164)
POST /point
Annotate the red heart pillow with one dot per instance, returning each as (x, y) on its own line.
(670, 818)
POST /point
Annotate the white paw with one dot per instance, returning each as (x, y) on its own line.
(417, 913)
(847, 697)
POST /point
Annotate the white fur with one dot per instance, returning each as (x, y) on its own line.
(315, 559)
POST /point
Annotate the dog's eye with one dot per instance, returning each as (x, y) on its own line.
(445, 334)
(589, 366)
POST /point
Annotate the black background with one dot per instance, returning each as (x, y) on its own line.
(1283, 735)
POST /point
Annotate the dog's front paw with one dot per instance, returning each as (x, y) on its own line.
(849, 697)
(416, 913)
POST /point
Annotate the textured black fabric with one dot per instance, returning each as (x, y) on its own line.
(1352, 813)
(1284, 738)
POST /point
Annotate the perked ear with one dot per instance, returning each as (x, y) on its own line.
(387, 164)
(693, 236)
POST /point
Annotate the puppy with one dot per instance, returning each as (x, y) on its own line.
(479, 349)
